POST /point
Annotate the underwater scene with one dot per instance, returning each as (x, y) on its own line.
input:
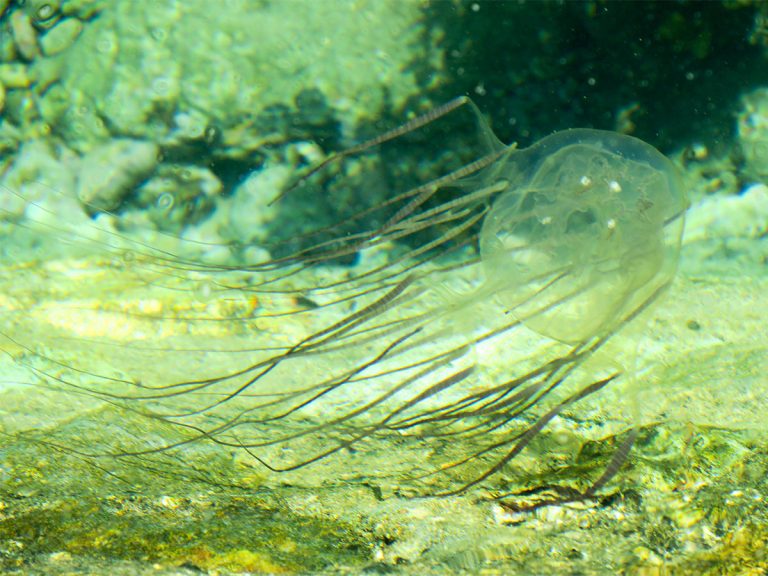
(383, 287)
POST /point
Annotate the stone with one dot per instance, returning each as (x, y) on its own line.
(61, 36)
(110, 172)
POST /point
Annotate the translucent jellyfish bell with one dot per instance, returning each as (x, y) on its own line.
(588, 230)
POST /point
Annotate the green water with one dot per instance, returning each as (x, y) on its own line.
(186, 306)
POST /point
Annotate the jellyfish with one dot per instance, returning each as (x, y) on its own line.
(535, 259)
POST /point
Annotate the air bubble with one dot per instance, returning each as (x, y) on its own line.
(165, 201)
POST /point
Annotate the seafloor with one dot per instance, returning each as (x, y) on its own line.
(690, 500)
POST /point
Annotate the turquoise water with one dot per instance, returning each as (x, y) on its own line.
(277, 298)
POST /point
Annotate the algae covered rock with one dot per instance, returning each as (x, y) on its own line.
(178, 195)
(61, 37)
(219, 93)
(111, 172)
(753, 134)
(144, 69)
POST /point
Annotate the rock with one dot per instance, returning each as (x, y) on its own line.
(178, 195)
(189, 126)
(721, 217)
(14, 75)
(110, 172)
(61, 36)
(24, 35)
(753, 134)
(47, 72)
(40, 174)
(7, 46)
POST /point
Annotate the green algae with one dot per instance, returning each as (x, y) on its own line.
(239, 534)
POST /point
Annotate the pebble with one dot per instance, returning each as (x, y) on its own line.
(111, 171)
(742, 216)
(14, 75)
(61, 36)
(24, 35)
